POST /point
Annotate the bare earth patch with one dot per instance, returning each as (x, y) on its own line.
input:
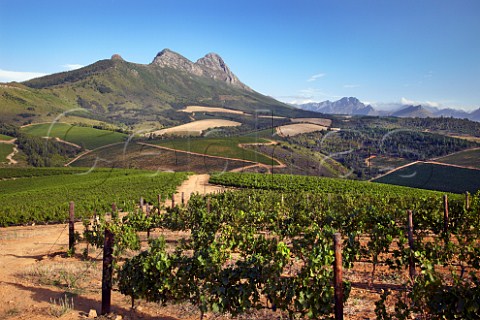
(320, 121)
(192, 109)
(298, 128)
(197, 127)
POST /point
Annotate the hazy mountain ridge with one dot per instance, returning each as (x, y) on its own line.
(345, 106)
(352, 106)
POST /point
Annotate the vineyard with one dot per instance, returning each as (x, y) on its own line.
(292, 183)
(87, 137)
(435, 176)
(273, 250)
(39, 195)
(221, 147)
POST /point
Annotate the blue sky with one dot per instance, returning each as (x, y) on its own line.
(380, 51)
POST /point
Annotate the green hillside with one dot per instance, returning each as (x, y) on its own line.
(220, 147)
(21, 104)
(128, 94)
(5, 138)
(5, 150)
(87, 137)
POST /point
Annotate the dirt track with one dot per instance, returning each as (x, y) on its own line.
(197, 183)
(9, 157)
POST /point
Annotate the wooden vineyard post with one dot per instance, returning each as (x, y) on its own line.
(147, 210)
(338, 276)
(71, 228)
(467, 200)
(141, 204)
(114, 211)
(445, 215)
(411, 265)
(183, 198)
(107, 272)
(208, 205)
(173, 200)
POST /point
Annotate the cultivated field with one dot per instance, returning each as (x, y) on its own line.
(434, 176)
(298, 128)
(5, 150)
(193, 109)
(45, 197)
(301, 161)
(220, 147)
(468, 158)
(263, 252)
(87, 137)
(147, 157)
(319, 121)
(196, 127)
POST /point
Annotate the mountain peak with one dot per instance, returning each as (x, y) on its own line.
(117, 57)
(214, 67)
(213, 61)
(170, 59)
(412, 111)
(211, 66)
(350, 100)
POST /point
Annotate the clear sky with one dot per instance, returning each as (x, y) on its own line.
(296, 51)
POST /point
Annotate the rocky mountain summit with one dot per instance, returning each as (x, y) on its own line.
(211, 66)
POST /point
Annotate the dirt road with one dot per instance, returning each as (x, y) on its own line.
(197, 183)
(9, 157)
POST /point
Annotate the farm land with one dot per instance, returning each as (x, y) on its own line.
(264, 224)
(435, 176)
(468, 159)
(262, 248)
(5, 150)
(86, 137)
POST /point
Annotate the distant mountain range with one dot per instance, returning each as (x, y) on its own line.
(120, 92)
(353, 106)
(346, 106)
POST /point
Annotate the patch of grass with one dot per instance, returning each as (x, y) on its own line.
(10, 313)
(5, 150)
(221, 147)
(62, 306)
(87, 137)
(68, 276)
(5, 137)
(262, 134)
